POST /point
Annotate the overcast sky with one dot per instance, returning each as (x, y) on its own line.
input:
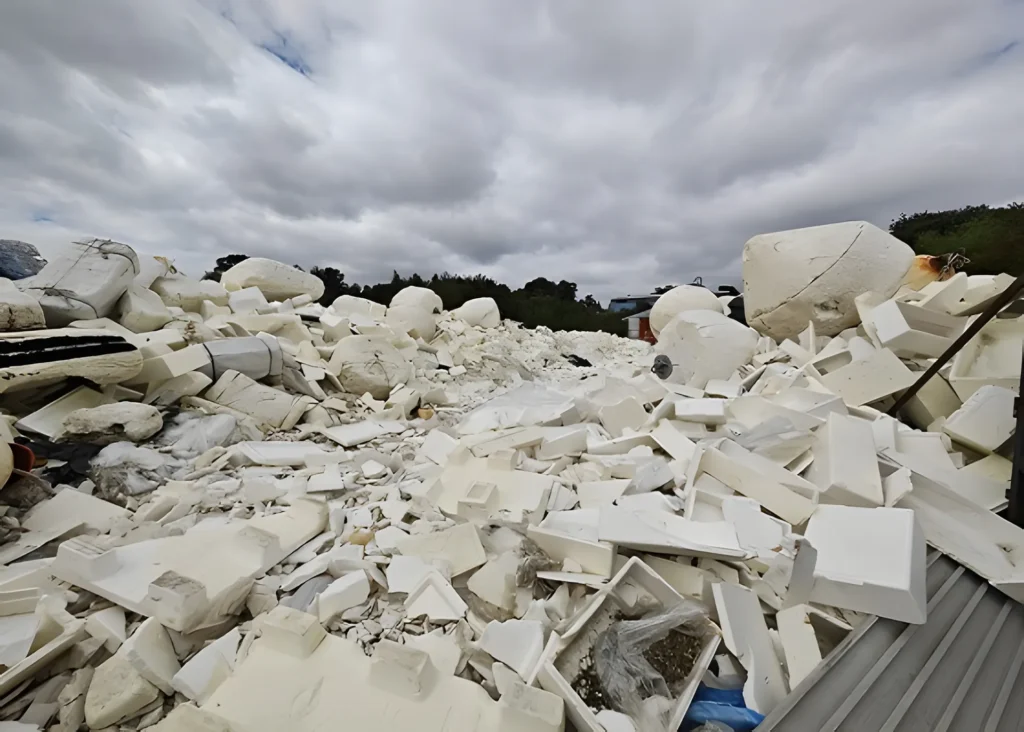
(615, 143)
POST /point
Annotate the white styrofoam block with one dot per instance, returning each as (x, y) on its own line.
(786, 495)
(209, 668)
(650, 475)
(459, 546)
(598, 493)
(594, 557)
(945, 296)
(526, 708)
(704, 345)
(480, 312)
(845, 466)
(405, 573)
(687, 580)
(356, 433)
(813, 275)
(679, 300)
(150, 652)
(438, 446)
(109, 626)
(626, 414)
(495, 582)
(705, 411)
(276, 453)
(991, 358)
(909, 330)
(246, 300)
(985, 421)
(745, 634)
(896, 485)
(935, 400)
(863, 382)
(398, 688)
(756, 531)
(516, 643)
(117, 692)
(435, 598)
(277, 281)
(173, 579)
(345, 592)
(870, 560)
(562, 441)
(665, 533)
(992, 467)
(799, 643)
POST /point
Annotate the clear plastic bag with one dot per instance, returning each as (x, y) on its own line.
(191, 435)
(629, 681)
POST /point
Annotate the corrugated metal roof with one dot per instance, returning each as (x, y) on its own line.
(959, 672)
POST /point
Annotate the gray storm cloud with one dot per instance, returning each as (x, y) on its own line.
(619, 145)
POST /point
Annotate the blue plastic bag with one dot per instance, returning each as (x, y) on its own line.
(720, 705)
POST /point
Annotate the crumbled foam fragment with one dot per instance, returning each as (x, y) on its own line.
(110, 423)
(18, 310)
(117, 693)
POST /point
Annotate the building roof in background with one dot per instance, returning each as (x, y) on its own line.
(644, 314)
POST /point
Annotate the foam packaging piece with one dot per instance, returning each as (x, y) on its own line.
(871, 560)
(275, 280)
(679, 300)
(83, 283)
(813, 275)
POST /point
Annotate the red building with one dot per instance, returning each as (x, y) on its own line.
(640, 326)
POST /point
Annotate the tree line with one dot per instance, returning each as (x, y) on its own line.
(538, 302)
(991, 238)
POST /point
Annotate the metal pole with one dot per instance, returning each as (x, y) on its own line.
(982, 320)
(1015, 509)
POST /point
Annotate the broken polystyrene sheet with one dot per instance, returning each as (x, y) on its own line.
(269, 406)
(526, 405)
(48, 420)
(276, 453)
(398, 688)
(66, 513)
(667, 533)
(173, 579)
(356, 433)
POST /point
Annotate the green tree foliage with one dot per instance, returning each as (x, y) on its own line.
(992, 238)
(223, 265)
(539, 302)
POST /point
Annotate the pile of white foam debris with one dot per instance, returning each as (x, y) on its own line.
(253, 513)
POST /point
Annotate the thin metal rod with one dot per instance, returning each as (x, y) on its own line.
(1015, 506)
(1004, 298)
